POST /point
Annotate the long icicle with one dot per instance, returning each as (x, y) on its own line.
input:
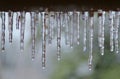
(78, 27)
(117, 14)
(22, 30)
(58, 36)
(43, 40)
(102, 33)
(91, 42)
(33, 25)
(50, 30)
(111, 30)
(71, 29)
(85, 20)
(10, 25)
(99, 27)
(3, 32)
(67, 24)
(101, 18)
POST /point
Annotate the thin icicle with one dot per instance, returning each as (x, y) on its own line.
(3, 32)
(99, 27)
(10, 25)
(22, 29)
(43, 15)
(116, 31)
(101, 18)
(102, 33)
(33, 25)
(91, 43)
(111, 30)
(58, 36)
(67, 24)
(17, 19)
(77, 24)
(71, 29)
(50, 27)
(51, 24)
(85, 20)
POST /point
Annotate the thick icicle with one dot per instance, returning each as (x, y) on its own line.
(58, 35)
(10, 25)
(33, 25)
(3, 32)
(111, 30)
(117, 14)
(85, 20)
(43, 16)
(22, 29)
(91, 42)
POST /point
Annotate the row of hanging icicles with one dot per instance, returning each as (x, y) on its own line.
(55, 21)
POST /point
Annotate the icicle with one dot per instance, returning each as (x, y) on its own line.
(43, 15)
(111, 30)
(67, 24)
(102, 33)
(51, 24)
(58, 36)
(101, 18)
(99, 27)
(77, 24)
(10, 25)
(22, 29)
(71, 29)
(3, 32)
(116, 31)
(33, 25)
(85, 20)
(17, 20)
(91, 42)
